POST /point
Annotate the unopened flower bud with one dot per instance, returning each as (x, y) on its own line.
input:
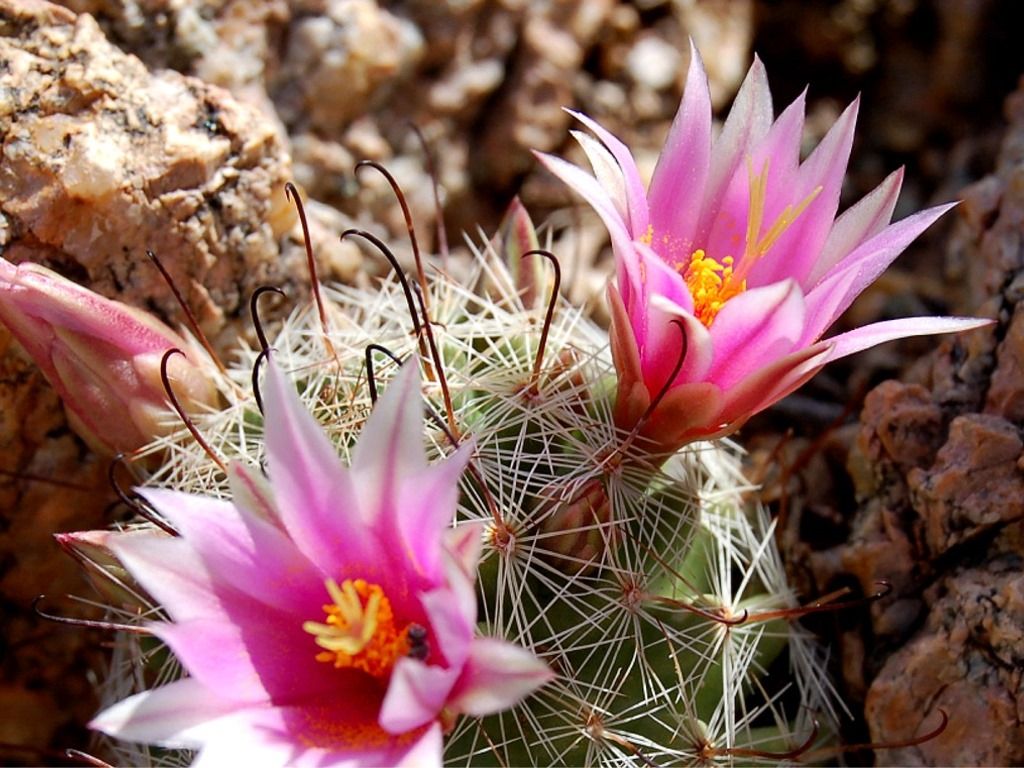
(102, 356)
(516, 236)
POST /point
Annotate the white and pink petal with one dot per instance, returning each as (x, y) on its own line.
(496, 676)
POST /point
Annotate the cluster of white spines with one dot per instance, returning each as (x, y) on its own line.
(640, 675)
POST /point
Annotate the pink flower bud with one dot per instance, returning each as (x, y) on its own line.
(102, 357)
(516, 236)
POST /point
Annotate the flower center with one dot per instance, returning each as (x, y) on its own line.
(711, 285)
(712, 282)
(360, 630)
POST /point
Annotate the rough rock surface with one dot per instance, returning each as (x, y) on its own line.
(102, 160)
(938, 473)
(966, 660)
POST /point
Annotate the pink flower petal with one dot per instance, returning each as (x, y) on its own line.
(426, 752)
(172, 573)
(746, 126)
(245, 552)
(252, 661)
(689, 411)
(796, 250)
(823, 305)
(770, 384)
(699, 346)
(252, 494)
(877, 333)
(172, 716)
(416, 694)
(755, 328)
(465, 544)
(866, 263)
(779, 151)
(414, 502)
(58, 302)
(606, 171)
(337, 731)
(677, 185)
(632, 397)
(587, 187)
(865, 219)
(314, 495)
(452, 615)
(635, 194)
(496, 676)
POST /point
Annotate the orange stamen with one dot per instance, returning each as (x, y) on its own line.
(360, 632)
(711, 282)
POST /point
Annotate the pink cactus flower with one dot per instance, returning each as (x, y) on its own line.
(102, 356)
(327, 617)
(733, 261)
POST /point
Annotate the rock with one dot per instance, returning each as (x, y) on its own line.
(341, 57)
(974, 485)
(1005, 394)
(939, 472)
(967, 661)
(902, 425)
(528, 115)
(654, 63)
(103, 160)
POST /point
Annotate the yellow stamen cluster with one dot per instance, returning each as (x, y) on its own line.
(360, 631)
(711, 284)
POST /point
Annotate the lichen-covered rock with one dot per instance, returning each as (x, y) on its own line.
(938, 469)
(101, 160)
(967, 660)
(975, 483)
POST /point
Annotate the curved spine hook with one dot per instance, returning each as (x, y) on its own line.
(792, 754)
(550, 314)
(826, 603)
(442, 232)
(254, 311)
(189, 424)
(684, 348)
(399, 273)
(190, 317)
(406, 214)
(135, 503)
(371, 379)
(260, 358)
(292, 193)
(442, 380)
(649, 411)
(900, 744)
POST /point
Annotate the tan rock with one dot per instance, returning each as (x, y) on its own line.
(340, 60)
(102, 161)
